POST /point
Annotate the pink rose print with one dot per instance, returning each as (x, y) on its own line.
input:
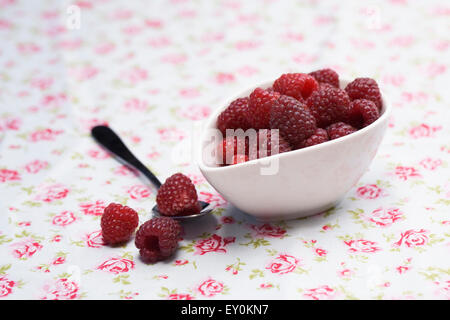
(320, 252)
(98, 154)
(402, 269)
(171, 134)
(181, 262)
(222, 78)
(443, 289)
(283, 264)
(59, 260)
(180, 296)
(268, 230)
(212, 197)
(6, 286)
(64, 219)
(54, 100)
(26, 248)
(10, 124)
(117, 265)
(95, 239)
(62, 289)
(138, 192)
(227, 219)
(423, 131)
(159, 42)
(210, 288)
(189, 93)
(105, 48)
(175, 59)
(404, 173)
(136, 104)
(385, 217)
(93, 208)
(9, 175)
(345, 273)
(135, 75)
(52, 192)
(36, 166)
(369, 191)
(215, 243)
(195, 112)
(413, 238)
(320, 293)
(361, 245)
(126, 171)
(45, 135)
(430, 164)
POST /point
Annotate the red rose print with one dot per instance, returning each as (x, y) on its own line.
(52, 192)
(283, 264)
(322, 292)
(26, 248)
(227, 219)
(117, 265)
(59, 260)
(180, 296)
(6, 286)
(215, 243)
(320, 252)
(413, 238)
(362, 245)
(95, 239)
(423, 131)
(430, 164)
(64, 218)
(9, 175)
(369, 191)
(385, 217)
(344, 273)
(404, 173)
(210, 288)
(62, 289)
(36, 166)
(93, 208)
(266, 285)
(268, 230)
(138, 192)
(181, 262)
(44, 135)
(402, 269)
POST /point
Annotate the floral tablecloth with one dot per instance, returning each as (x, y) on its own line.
(154, 70)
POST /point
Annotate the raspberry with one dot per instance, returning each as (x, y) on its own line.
(265, 144)
(157, 239)
(234, 116)
(231, 146)
(118, 223)
(328, 106)
(326, 76)
(296, 85)
(363, 112)
(293, 120)
(323, 85)
(239, 158)
(339, 129)
(364, 88)
(259, 106)
(318, 137)
(177, 197)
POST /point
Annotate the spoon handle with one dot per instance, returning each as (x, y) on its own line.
(106, 137)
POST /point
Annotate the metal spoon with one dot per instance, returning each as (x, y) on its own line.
(106, 137)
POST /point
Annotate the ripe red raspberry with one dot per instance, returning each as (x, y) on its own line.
(239, 158)
(318, 137)
(177, 197)
(118, 223)
(326, 76)
(259, 106)
(293, 120)
(234, 116)
(362, 113)
(265, 144)
(328, 106)
(230, 147)
(339, 129)
(296, 85)
(157, 239)
(364, 88)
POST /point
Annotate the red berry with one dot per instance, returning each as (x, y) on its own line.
(118, 223)
(157, 239)
(230, 147)
(318, 137)
(363, 112)
(270, 143)
(293, 120)
(326, 76)
(339, 129)
(364, 88)
(234, 116)
(296, 85)
(240, 158)
(259, 106)
(177, 197)
(328, 106)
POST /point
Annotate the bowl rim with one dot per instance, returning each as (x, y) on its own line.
(384, 117)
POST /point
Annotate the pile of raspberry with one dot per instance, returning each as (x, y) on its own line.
(157, 239)
(307, 109)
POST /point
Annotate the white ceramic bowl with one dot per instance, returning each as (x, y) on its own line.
(308, 181)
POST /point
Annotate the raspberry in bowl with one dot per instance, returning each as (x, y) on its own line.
(311, 170)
